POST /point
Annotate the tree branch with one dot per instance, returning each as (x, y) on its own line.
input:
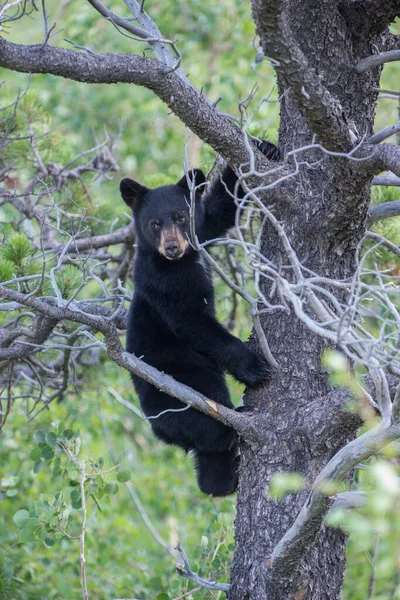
(192, 107)
(386, 180)
(123, 235)
(185, 571)
(36, 335)
(148, 31)
(106, 325)
(322, 111)
(384, 134)
(291, 548)
(370, 62)
(384, 211)
(383, 157)
(381, 240)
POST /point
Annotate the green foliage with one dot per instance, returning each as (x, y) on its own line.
(5, 586)
(41, 517)
(7, 269)
(17, 249)
(68, 280)
(285, 483)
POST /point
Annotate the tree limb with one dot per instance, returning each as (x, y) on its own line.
(291, 548)
(185, 570)
(322, 111)
(381, 240)
(386, 180)
(106, 325)
(384, 134)
(148, 31)
(38, 334)
(370, 62)
(378, 158)
(123, 235)
(192, 107)
(384, 211)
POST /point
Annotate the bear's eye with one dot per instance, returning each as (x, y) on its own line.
(180, 219)
(155, 225)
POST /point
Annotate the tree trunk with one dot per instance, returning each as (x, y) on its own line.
(324, 218)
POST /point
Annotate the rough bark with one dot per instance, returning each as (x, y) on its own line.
(324, 222)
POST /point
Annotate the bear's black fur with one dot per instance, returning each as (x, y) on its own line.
(172, 323)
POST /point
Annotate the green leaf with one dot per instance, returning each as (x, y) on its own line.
(285, 483)
(49, 542)
(47, 453)
(51, 438)
(75, 495)
(17, 248)
(7, 269)
(39, 436)
(32, 524)
(111, 488)
(35, 454)
(21, 518)
(68, 434)
(26, 535)
(123, 476)
(38, 466)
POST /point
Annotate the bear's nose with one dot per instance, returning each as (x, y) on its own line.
(171, 248)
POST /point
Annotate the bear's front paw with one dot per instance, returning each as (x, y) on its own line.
(253, 369)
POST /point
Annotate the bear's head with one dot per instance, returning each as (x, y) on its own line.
(162, 215)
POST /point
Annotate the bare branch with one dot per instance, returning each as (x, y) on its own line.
(124, 23)
(131, 363)
(384, 211)
(148, 32)
(386, 180)
(185, 571)
(385, 133)
(123, 235)
(370, 62)
(36, 335)
(384, 242)
(383, 157)
(350, 500)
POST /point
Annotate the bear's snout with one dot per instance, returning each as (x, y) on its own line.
(173, 244)
(172, 249)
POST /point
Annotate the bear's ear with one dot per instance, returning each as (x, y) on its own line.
(132, 191)
(199, 179)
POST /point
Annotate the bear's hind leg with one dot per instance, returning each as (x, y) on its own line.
(217, 471)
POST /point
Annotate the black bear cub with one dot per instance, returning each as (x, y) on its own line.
(172, 323)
